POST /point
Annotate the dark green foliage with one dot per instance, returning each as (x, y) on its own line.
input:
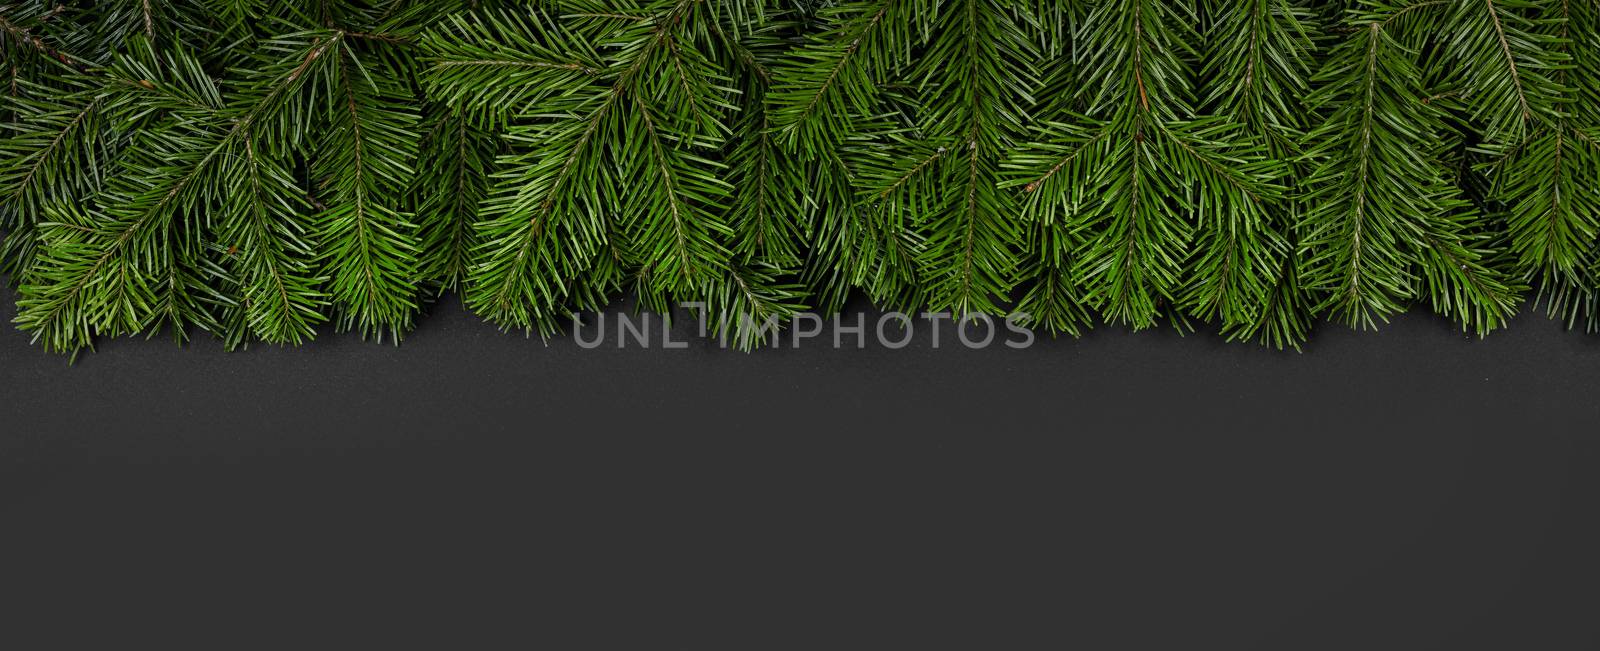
(256, 170)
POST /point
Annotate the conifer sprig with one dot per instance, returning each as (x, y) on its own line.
(258, 170)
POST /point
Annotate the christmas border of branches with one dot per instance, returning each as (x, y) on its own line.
(257, 168)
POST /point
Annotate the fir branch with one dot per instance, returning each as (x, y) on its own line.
(1368, 192)
(1058, 174)
(971, 240)
(14, 34)
(766, 215)
(254, 170)
(749, 306)
(365, 166)
(453, 172)
(540, 192)
(1134, 242)
(674, 212)
(269, 242)
(1546, 179)
(833, 80)
(1508, 53)
(99, 274)
(1259, 61)
(497, 63)
(38, 162)
(1383, 206)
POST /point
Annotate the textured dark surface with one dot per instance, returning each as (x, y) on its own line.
(1407, 489)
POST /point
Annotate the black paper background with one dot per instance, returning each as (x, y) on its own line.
(1408, 489)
